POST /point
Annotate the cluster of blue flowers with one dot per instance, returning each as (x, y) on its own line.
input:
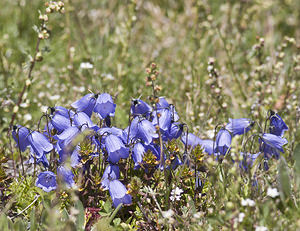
(148, 131)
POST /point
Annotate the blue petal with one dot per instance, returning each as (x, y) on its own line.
(112, 172)
(115, 148)
(68, 135)
(20, 135)
(139, 107)
(66, 176)
(146, 131)
(165, 119)
(118, 193)
(85, 104)
(60, 123)
(277, 125)
(64, 112)
(46, 181)
(39, 144)
(82, 119)
(274, 141)
(239, 126)
(105, 106)
(194, 140)
(223, 141)
(138, 154)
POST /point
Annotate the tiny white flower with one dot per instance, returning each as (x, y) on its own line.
(248, 202)
(241, 217)
(261, 228)
(54, 97)
(272, 192)
(176, 194)
(168, 214)
(86, 65)
(27, 117)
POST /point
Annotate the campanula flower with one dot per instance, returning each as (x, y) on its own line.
(112, 172)
(46, 181)
(115, 148)
(83, 120)
(164, 119)
(86, 104)
(274, 141)
(66, 175)
(248, 160)
(105, 106)
(223, 142)
(163, 104)
(138, 154)
(20, 135)
(175, 131)
(139, 107)
(277, 125)
(43, 159)
(59, 122)
(118, 193)
(239, 126)
(68, 135)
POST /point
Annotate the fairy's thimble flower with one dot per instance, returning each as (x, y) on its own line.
(115, 148)
(277, 125)
(105, 106)
(139, 107)
(66, 175)
(118, 193)
(223, 142)
(239, 126)
(193, 140)
(273, 141)
(86, 104)
(112, 172)
(46, 181)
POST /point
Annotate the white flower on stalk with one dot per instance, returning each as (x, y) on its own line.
(176, 194)
(168, 214)
(272, 192)
(241, 217)
(86, 65)
(248, 202)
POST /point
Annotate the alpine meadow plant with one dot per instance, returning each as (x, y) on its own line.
(194, 145)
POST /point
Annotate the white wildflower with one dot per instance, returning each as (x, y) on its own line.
(86, 65)
(261, 228)
(241, 217)
(272, 192)
(168, 214)
(176, 194)
(54, 97)
(248, 202)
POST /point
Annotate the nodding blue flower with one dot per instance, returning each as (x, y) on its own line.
(38, 143)
(83, 120)
(86, 104)
(164, 119)
(273, 141)
(60, 123)
(105, 106)
(115, 148)
(138, 152)
(139, 107)
(66, 155)
(33, 159)
(223, 141)
(46, 181)
(112, 172)
(68, 135)
(175, 132)
(140, 129)
(20, 135)
(277, 125)
(163, 104)
(194, 140)
(59, 110)
(66, 175)
(118, 193)
(248, 160)
(239, 126)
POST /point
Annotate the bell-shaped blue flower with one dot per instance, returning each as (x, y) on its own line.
(46, 181)
(81, 119)
(115, 148)
(163, 104)
(175, 132)
(139, 107)
(138, 154)
(39, 143)
(86, 104)
(20, 135)
(60, 123)
(248, 160)
(112, 172)
(68, 135)
(105, 106)
(118, 193)
(33, 159)
(239, 126)
(277, 125)
(223, 142)
(164, 119)
(145, 131)
(273, 141)
(66, 176)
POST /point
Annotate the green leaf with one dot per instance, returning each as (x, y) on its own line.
(107, 206)
(116, 221)
(80, 218)
(297, 159)
(284, 180)
(33, 223)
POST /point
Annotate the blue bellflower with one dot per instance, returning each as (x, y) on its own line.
(46, 181)
(20, 135)
(194, 140)
(86, 104)
(139, 107)
(115, 148)
(112, 172)
(118, 193)
(277, 125)
(223, 142)
(239, 126)
(66, 175)
(105, 106)
(274, 141)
